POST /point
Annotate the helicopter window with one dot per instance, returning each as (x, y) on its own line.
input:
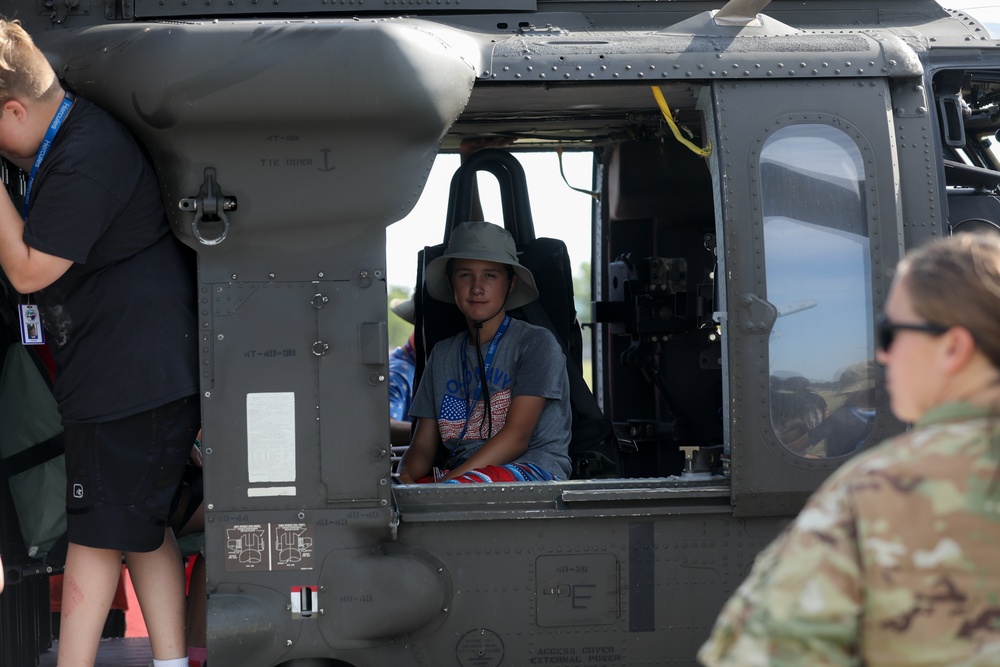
(964, 157)
(818, 273)
(992, 146)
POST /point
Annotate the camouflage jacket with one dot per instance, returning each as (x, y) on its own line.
(895, 560)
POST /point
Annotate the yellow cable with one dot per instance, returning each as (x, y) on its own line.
(704, 152)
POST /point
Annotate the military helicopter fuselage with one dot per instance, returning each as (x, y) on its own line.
(758, 172)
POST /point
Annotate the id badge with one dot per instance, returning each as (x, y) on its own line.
(32, 332)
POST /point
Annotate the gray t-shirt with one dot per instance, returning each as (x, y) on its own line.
(528, 362)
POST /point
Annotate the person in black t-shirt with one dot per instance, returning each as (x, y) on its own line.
(117, 295)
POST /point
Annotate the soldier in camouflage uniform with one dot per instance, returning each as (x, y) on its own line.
(896, 559)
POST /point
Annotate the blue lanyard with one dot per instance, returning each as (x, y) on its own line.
(487, 362)
(43, 150)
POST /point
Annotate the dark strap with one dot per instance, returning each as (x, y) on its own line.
(36, 455)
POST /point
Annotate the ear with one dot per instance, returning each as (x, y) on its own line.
(16, 108)
(959, 347)
(513, 281)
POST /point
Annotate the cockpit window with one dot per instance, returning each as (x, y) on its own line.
(964, 157)
(992, 145)
(818, 273)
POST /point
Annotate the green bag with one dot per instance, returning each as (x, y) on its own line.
(31, 445)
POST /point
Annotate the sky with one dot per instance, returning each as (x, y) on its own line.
(558, 211)
(986, 12)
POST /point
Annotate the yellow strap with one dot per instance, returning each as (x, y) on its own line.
(595, 195)
(704, 152)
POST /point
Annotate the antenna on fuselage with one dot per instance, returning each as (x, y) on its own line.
(733, 19)
(740, 13)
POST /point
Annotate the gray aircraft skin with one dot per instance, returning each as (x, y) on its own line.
(736, 282)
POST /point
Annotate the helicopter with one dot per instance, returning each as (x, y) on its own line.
(758, 170)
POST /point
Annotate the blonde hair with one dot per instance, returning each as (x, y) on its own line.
(25, 74)
(956, 282)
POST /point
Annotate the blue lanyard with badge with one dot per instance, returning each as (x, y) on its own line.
(487, 362)
(32, 331)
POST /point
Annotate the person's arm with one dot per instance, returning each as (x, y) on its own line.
(402, 366)
(400, 398)
(418, 459)
(802, 603)
(27, 269)
(400, 432)
(511, 441)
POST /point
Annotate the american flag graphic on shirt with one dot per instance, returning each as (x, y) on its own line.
(451, 417)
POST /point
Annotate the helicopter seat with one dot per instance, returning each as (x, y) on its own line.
(593, 451)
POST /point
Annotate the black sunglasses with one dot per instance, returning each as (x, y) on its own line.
(885, 330)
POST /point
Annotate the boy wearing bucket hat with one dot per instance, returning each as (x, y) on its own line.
(515, 425)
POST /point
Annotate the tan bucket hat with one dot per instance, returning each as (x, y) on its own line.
(404, 309)
(488, 242)
(857, 377)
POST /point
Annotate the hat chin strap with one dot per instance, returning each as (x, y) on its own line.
(479, 325)
(481, 363)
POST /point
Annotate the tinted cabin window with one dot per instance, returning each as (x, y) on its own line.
(818, 273)
(992, 144)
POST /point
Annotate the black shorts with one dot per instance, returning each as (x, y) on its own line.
(122, 475)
